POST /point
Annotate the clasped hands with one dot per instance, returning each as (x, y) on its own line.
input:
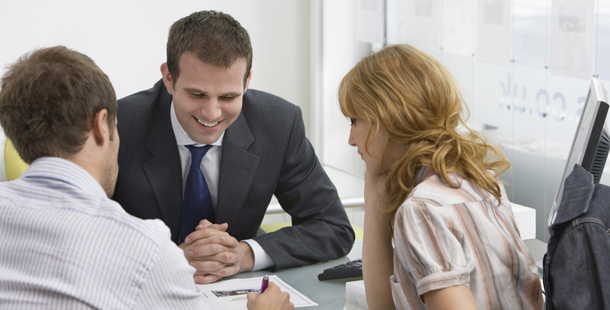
(216, 254)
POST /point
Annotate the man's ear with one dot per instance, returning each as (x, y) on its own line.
(100, 129)
(167, 78)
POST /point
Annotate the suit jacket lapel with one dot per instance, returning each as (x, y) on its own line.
(163, 168)
(237, 170)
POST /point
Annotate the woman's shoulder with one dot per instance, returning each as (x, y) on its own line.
(433, 190)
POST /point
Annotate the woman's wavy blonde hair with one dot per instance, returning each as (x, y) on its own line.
(415, 100)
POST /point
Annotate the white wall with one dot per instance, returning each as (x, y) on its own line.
(127, 38)
(340, 52)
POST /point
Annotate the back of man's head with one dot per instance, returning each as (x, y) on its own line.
(214, 37)
(48, 101)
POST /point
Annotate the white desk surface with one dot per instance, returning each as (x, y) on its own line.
(331, 294)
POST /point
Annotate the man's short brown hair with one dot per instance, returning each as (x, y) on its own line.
(214, 37)
(49, 99)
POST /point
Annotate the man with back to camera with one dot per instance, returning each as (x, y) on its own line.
(65, 244)
(250, 145)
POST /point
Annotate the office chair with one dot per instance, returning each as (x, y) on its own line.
(14, 165)
(11, 165)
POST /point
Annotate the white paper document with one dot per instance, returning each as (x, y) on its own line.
(572, 36)
(458, 27)
(493, 31)
(370, 21)
(423, 22)
(231, 294)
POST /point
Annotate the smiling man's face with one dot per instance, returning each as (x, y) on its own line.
(207, 98)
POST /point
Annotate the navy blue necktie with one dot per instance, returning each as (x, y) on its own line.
(197, 202)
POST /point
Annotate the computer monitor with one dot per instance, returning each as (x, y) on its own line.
(591, 141)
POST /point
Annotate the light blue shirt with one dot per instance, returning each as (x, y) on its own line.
(65, 245)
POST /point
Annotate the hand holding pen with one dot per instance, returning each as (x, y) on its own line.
(270, 298)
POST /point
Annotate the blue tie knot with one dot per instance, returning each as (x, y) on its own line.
(197, 154)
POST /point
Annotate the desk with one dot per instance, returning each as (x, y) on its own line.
(328, 294)
(331, 294)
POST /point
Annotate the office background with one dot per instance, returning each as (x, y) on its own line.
(524, 65)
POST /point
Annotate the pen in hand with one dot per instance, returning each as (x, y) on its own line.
(265, 283)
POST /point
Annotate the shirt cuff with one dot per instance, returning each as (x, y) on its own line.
(443, 280)
(262, 260)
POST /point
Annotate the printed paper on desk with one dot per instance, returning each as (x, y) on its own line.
(232, 294)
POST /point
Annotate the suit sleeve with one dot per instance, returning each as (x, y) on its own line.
(320, 228)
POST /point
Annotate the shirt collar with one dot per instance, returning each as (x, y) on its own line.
(424, 173)
(182, 138)
(66, 171)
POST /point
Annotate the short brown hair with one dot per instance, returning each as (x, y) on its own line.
(49, 99)
(214, 37)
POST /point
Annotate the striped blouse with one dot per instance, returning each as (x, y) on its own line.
(65, 245)
(446, 237)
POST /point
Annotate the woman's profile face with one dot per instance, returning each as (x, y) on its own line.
(376, 144)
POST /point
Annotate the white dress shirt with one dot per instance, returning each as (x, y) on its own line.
(65, 245)
(210, 166)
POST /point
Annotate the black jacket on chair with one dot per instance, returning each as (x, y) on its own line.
(577, 263)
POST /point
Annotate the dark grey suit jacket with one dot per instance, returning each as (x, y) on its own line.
(265, 152)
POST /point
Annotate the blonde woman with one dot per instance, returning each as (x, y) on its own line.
(433, 191)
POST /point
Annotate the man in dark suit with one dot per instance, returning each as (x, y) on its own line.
(258, 149)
